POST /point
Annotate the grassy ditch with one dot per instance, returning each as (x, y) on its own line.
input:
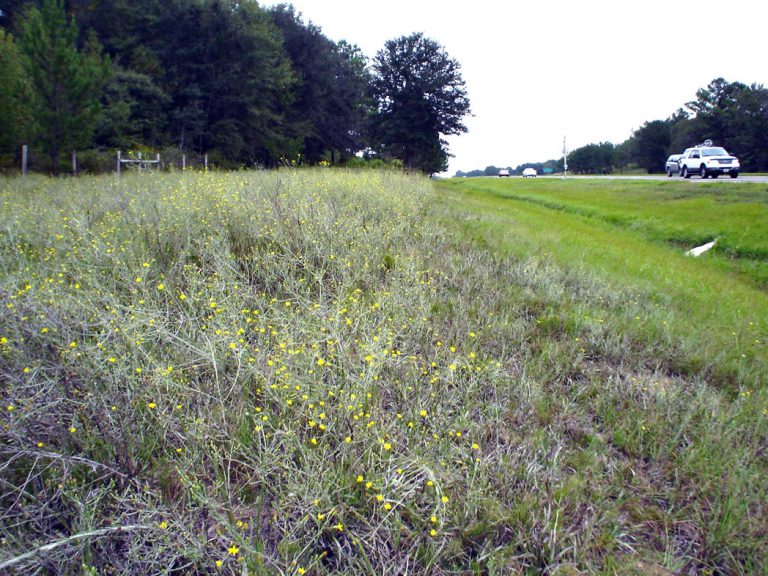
(680, 214)
(711, 314)
(326, 372)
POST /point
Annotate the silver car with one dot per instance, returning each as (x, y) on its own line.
(672, 166)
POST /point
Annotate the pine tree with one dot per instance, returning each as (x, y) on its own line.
(14, 117)
(66, 82)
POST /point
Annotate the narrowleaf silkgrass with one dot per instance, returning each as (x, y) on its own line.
(312, 373)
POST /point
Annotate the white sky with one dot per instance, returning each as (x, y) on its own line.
(589, 70)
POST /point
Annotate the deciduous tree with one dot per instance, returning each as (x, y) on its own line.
(652, 145)
(421, 96)
(229, 80)
(134, 111)
(592, 159)
(735, 116)
(330, 91)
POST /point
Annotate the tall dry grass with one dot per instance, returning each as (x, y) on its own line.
(305, 373)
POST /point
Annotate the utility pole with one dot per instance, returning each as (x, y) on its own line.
(565, 160)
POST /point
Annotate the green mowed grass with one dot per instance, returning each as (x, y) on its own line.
(683, 214)
(328, 372)
(628, 234)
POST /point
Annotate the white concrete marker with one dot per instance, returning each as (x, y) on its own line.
(699, 250)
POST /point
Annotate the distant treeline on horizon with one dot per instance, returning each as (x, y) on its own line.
(730, 114)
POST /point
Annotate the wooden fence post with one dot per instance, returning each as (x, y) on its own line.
(118, 162)
(24, 158)
(74, 163)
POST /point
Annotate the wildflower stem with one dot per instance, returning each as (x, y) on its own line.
(53, 545)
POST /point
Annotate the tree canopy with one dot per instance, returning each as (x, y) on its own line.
(13, 112)
(66, 81)
(421, 96)
(247, 84)
(592, 159)
(329, 104)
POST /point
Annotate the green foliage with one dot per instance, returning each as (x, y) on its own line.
(652, 145)
(421, 96)
(126, 28)
(592, 159)
(11, 12)
(247, 85)
(133, 112)
(229, 91)
(732, 115)
(14, 112)
(373, 163)
(329, 102)
(66, 81)
(735, 115)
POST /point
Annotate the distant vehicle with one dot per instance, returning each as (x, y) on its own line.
(673, 164)
(530, 173)
(707, 160)
(503, 173)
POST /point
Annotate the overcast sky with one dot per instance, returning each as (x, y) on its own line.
(588, 70)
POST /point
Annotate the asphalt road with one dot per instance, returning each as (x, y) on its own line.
(741, 178)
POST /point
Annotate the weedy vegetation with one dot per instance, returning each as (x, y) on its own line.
(329, 372)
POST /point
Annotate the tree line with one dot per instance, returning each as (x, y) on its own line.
(247, 85)
(731, 114)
